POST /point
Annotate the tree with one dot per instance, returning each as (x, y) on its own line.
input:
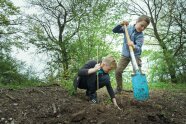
(9, 20)
(178, 15)
(10, 68)
(59, 25)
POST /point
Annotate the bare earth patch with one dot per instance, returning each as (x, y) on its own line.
(53, 105)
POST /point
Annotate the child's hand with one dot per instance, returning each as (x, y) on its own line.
(130, 43)
(124, 23)
(97, 66)
(117, 107)
(115, 103)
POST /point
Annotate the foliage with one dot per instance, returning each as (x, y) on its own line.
(167, 86)
(10, 71)
(27, 83)
(9, 20)
(158, 71)
(72, 32)
(66, 30)
(68, 85)
(7, 10)
(10, 68)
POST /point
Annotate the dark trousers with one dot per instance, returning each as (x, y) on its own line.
(90, 82)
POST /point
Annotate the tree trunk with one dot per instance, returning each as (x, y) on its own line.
(169, 61)
(167, 57)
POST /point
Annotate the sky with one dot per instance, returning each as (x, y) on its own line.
(18, 2)
(33, 60)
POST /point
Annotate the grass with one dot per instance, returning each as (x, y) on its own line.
(21, 85)
(68, 85)
(168, 86)
(127, 86)
(158, 86)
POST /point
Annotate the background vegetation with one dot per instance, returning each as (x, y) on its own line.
(71, 31)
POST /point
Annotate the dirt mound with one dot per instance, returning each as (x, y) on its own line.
(53, 105)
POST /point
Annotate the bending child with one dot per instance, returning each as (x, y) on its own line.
(87, 78)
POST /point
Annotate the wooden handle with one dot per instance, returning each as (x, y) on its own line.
(134, 63)
(97, 71)
(128, 38)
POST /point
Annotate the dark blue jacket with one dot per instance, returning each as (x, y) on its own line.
(104, 79)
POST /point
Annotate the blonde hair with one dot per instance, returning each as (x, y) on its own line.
(110, 61)
(144, 18)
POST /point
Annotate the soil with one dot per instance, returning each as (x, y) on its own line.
(53, 105)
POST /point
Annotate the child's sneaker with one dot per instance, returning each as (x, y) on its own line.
(93, 98)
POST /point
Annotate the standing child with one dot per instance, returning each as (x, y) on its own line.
(137, 38)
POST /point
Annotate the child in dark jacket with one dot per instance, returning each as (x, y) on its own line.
(87, 78)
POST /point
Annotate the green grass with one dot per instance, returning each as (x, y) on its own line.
(68, 85)
(168, 86)
(158, 86)
(127, 86)
(21, 85)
